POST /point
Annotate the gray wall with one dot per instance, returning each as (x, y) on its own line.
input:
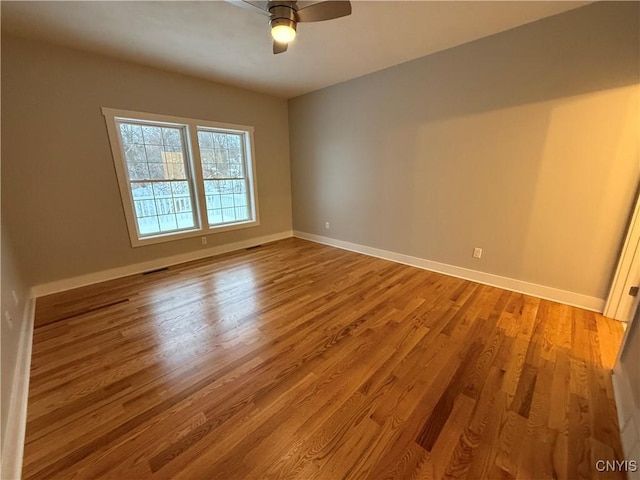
(58, 177)
(524, 144)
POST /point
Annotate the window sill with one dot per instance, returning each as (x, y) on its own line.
(200, 232)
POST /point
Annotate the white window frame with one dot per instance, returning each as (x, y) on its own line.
(193, 164)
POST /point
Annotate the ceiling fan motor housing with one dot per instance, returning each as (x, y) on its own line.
(283, 13)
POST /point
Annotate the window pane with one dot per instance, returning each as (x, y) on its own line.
(156, 165)
(134, 153)
(156, 171)
(226, 186)
(239, 186)
(154, 153)
(159, 178)
(138, 171)
(213, 201)
(225, 182)
(152, 135)
(207, 155)
(227, 206)
(131, 133)
(142, 190)
(173, 163)
(148, 225)
(209, 170)
(226, 201)
(162, 190)
(205, 139)
(236, 170)
(185, 220)
(145, 208)
(228, 214)
(242, 213)
(235, 142)
(168, 223)
(215, 216)
(171, 137)
(239, 200)
(222, 170)
(222, 155)
(210, 187)
(180, 189)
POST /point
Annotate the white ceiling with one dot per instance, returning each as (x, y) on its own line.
(218, 41)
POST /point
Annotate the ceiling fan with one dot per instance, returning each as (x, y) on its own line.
(284, 16)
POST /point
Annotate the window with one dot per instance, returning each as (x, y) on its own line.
(180, 177)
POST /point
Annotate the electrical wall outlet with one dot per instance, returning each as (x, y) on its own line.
(326, 225)
(203, 240)
(477, 252)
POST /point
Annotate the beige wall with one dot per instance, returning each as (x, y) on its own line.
(62, 204)
(524, 144)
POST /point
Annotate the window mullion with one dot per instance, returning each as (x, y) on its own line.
(189, 167)
(198, 177)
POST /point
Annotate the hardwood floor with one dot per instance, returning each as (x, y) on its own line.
(297, 360)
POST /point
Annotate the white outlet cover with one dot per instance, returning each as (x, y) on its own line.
(477, 253)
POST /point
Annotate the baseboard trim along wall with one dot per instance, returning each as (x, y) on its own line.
(111, 274)
(520, 286)
(13, 448)
(549, 293)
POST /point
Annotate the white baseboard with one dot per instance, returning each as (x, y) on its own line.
(520, 286)
(111, 274)
(541, 291)
(13, 448)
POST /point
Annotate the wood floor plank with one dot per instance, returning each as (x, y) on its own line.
(298, 360)
(509, 444)
(451, 432)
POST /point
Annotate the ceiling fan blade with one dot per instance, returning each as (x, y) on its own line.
(254, 6)
(279, 47)
(321, 11)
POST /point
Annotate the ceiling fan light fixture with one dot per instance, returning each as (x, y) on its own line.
(283, 31)
(284, 16)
